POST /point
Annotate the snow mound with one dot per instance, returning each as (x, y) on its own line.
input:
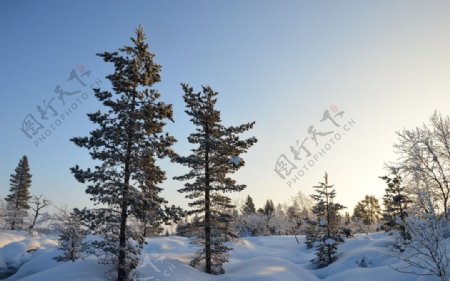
(9, 236)
(87, 270)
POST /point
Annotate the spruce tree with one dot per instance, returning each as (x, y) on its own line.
(128, 140)
(327, 236)
(396, 202)
(269, 208)
(215, 156)
(17, 202)
(248, 207)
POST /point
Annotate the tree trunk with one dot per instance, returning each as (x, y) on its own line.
(446, 208)
(122, 271)
(36, 214)
(207, 211)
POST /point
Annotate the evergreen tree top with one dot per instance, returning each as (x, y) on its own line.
(134, 65)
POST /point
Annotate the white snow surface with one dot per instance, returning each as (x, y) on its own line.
(271, 258)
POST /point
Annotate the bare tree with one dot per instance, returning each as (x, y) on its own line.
(424, 158)
(38, 203)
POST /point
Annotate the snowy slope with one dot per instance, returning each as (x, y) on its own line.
(276, 258)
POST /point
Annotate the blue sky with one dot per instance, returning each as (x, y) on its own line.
(279, 63)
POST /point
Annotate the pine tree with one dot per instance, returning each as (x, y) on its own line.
(269, 208)
(18, 199)
(249, 206)
(328, 220)
(215, 157)
(368, 210)
(71, 238)
(128, 140)
(395, 202)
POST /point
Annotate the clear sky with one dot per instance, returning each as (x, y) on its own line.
(386, 64)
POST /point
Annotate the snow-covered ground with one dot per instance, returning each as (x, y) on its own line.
(277, 258)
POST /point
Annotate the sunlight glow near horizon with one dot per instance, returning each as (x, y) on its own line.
(281, 64)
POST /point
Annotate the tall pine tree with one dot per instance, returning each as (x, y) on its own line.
(128, 140)
(215, 157)
(17, 202)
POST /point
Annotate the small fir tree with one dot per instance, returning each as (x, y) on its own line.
(328, 220)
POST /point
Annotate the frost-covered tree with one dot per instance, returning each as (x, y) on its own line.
(325, 232)
(3, 212)
(424, 251)
(215, 157)
(249, 206)
(17, 201)
(283, 220)
(396, 202)
(72, 234)
(128, 139)
(252, 225)
(189, 227)
(299, 212)
(278, 222)
(424, 159)
(295, 216)
(368, 211)
(150, 229)
(182, 228)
